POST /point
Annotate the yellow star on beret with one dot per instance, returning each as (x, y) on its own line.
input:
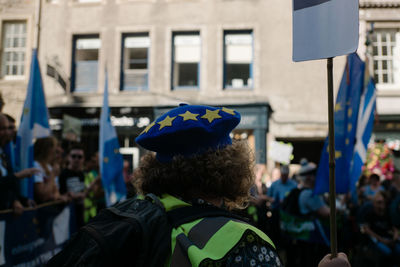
(189, 116)
(211, 115)
(166, 122)
(228, 110)
(148, 127)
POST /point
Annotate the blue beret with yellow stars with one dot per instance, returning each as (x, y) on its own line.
(189, 130)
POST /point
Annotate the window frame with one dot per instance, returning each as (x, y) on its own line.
(224, 60)
(75, 38)
(122, 68)
(5, 49)
(388, 58)
(185, 33)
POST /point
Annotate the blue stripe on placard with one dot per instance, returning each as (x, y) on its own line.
(300, 4)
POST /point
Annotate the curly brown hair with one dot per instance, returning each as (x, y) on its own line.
(225, 174)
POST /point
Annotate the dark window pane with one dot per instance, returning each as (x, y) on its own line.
(375, 50)
(186, 74)
(384, 65)
(237, 75)
(384, 50)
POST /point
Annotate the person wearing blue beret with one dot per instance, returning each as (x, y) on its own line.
(195, 162)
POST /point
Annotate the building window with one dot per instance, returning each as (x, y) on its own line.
(14, 46)
(386, 56)
(238, 59)
(186, 60)
(85, 63)
(135, 62)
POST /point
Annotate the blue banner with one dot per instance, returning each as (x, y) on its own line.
(34, 237)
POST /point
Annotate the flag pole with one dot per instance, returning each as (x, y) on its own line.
(38, 20)
(332, 184)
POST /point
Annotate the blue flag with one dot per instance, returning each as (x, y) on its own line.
(366, 116)
(110, 159)
(34, 124)
(346, 110)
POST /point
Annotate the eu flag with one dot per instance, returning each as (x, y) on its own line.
(110, 159)
(346, 110)
(34, 124)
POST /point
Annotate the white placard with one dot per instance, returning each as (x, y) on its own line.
(280, 152)
(324, 28)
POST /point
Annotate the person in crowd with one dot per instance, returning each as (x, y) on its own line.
(310, 203)
(281, 187)
(195, 161)
(9, 179)
(128, 178)
(257, 209)
(373, 186)
(379, 228)
(276, 193)
(94, 199)
(46, 180)
(10, 146)
(304, 252)
(72, 180)
(394, 207)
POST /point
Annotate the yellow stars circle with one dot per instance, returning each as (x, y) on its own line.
(211, 115)
(105, 159)
(228, 110)
(166, 122)
(189, 116)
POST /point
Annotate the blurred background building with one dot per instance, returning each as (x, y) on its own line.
(159, 53)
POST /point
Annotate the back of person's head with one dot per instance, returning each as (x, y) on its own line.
(42, 148)
(195, 156)
(307, 169)
(284, 172)
(373, 178)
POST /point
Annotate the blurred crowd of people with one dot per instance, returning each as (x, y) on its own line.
(61, 172)
(367, 220)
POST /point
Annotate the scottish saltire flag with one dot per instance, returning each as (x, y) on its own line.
(34, 124)
(366, 116)
(346, 110)
(110, 159)
(324, 28)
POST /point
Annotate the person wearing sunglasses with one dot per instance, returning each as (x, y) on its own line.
(72, 180)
